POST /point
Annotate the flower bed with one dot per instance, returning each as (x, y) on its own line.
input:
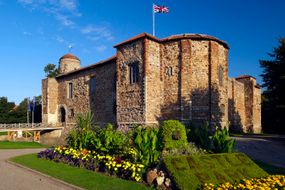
(269, 182)
(112, 165)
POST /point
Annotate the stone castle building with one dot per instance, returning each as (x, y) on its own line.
(183, 77)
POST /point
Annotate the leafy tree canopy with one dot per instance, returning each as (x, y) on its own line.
(51, 70)
(274, 94)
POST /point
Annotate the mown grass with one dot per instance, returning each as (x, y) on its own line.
(76, 176)
(190, 172)
(20, 145)
(3, 133)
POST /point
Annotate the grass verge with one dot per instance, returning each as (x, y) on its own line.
(76, 176)
(20, 145)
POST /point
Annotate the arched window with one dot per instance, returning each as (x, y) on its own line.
(62, 115)
(134, 73)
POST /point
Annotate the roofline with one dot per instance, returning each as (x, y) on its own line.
(173, 38)
(245, 76)
(89, 67)
(142, 35)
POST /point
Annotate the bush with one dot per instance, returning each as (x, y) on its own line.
(173, 135)
(221, 142)
(106, 140)
(147, 145)
(111, 141)
(190, 149)
(83, 136)
(201, 136)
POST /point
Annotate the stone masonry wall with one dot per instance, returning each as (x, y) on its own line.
(171, 98)
(49, 100)
(236, 108)
(101, 103)
(256, 115)
(219, 84)
(67, 65)
(199, 81)
(154, 84)
(130, 97)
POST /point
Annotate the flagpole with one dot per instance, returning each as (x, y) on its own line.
(153, 20)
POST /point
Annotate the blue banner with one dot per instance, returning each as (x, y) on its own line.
(28, 105)
(34, 103)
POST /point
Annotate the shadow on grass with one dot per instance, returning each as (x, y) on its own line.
(272, 170)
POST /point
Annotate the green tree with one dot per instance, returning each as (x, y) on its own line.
(51, 70)
(11, 113)
(273, 97)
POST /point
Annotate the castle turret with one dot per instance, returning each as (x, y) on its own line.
(68, 62)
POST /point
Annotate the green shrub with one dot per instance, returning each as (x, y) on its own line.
(147, 145)
(173, 135)
(221, 142)
(111, 141)
(105, 140)
(200, 134)
(190, 149)
(82, 137)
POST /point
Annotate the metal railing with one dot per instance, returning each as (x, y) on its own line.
(22, 125)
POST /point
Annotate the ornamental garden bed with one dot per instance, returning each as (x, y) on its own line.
(169, 157)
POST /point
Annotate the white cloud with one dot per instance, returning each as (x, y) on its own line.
(96, 33)
(64, 20)
(101, 48)
(61, 10)
(59, 39)
(26, 33)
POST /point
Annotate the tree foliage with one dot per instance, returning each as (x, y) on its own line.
(51, 70)
(11, 113)
(273, 97)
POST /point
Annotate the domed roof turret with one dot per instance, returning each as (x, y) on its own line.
(69, 56)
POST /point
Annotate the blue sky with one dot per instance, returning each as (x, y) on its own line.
(34, 33)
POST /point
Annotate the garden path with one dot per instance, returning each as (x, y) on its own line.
(13, 177)
(269, 148)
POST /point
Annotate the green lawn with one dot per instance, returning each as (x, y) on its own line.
(273, 170)
(76, 176)
(3, 133)
(20, 145)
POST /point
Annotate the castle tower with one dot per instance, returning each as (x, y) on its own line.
(68, 62)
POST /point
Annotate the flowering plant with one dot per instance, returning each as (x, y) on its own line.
(266, 183)
(113, 165)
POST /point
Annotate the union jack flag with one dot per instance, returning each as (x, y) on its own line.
(160, 9)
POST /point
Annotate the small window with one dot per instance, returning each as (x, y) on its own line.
(92, 84)
(72, 113)
(221, 73)
(169, 71)
(134, 73)
(70, 90)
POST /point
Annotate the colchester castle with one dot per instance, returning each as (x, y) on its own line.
(182, 77)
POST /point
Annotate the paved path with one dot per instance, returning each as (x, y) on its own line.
(15, 178)
(269, 149)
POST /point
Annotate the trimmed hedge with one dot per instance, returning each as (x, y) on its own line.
(190, 172)
(173, 135)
